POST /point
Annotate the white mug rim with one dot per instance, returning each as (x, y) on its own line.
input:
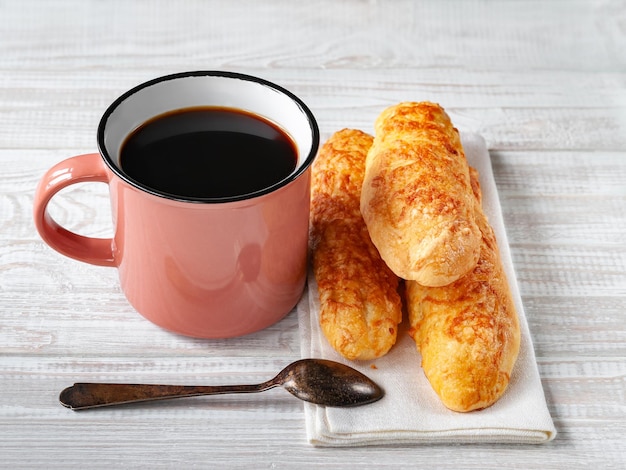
(302, 167)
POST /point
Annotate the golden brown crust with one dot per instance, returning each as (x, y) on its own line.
(416, 199)
(467, 332)
(360, 306)
(475, 184)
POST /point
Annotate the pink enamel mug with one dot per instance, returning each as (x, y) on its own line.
(213, 265)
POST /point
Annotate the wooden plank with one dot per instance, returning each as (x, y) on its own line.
(528, 110)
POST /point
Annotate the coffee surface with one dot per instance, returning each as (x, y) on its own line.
(207, 153)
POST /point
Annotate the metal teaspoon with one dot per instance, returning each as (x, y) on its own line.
(318, 381)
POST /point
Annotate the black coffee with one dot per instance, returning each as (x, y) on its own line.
(208, 152)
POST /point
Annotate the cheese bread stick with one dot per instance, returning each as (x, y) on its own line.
(467, 332)
(360, 306)
(416, 199)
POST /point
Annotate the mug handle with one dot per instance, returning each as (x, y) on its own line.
(82, 168)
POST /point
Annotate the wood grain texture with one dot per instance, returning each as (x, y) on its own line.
(543, 82)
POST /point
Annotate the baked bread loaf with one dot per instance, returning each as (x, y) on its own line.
(360, 305)
(468, 331)
(416, 199)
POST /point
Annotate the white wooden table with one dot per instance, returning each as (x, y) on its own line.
(543, 81)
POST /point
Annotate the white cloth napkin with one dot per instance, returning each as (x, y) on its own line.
(410, 412)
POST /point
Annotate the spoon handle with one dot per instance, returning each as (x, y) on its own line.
(81, 396)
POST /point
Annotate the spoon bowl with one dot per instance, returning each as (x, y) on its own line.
(319, 381)
(328, 383)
